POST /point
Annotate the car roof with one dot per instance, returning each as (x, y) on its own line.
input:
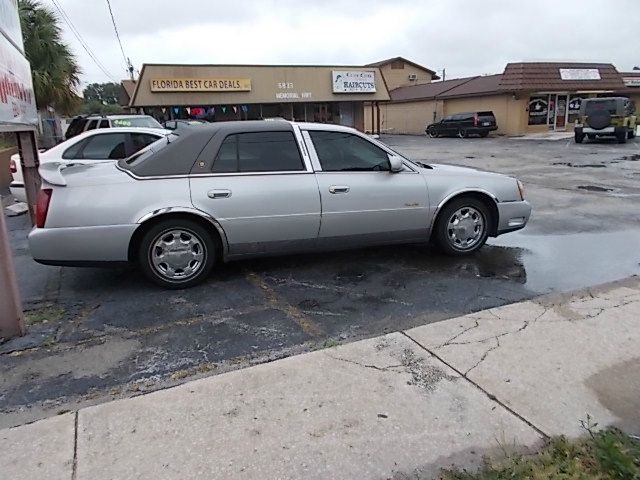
(102, 131)
(117, 116)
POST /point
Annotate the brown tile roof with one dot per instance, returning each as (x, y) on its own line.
(533, 76)
(402, 59)
(459, 87)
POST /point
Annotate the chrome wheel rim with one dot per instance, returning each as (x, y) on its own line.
(432, 133)
(465, 228)
(461, 133)
(177, 254)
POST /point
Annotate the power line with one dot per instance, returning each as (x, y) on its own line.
(113, 20)
(84, 45)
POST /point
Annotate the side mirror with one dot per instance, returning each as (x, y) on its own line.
(396, 164)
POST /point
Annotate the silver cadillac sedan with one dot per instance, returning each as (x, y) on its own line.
(223, 191)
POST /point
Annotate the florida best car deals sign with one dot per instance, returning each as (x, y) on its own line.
(200, 85)
(350, 81)
(17, 101)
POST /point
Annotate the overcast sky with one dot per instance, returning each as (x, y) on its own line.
(467, 37)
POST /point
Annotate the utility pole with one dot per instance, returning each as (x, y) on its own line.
(11, 316)
(130, 69)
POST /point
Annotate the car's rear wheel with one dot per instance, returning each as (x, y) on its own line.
(432, 132)
(462, 133)
(462, 226)
(631, 134)
(578, 137)
(177, 253)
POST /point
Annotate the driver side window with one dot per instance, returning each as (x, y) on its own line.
(345, 152)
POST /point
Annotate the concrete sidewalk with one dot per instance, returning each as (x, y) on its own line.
(406, 404)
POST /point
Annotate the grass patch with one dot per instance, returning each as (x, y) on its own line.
(46, 314)
(602, 455)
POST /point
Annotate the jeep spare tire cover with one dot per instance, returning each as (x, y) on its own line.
(599, 119)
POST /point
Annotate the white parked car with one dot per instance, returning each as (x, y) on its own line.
(94, 146)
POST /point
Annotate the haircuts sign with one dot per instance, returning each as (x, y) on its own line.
(200, 85)
(351, 81)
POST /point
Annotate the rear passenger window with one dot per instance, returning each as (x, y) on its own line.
(258, 152)
(110, 146)
(104, 124)
(92, 124)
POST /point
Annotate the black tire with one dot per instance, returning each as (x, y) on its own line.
(197, 233)
(442, 228)
(622, 137)
(578, 137)
(462, 133)
(484, 134)
(632, 134)
(432, 133)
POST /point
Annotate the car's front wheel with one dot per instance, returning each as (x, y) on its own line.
(621, 137)
(462, 226)
(177, 253)
(578, 137)
(632, 133)
(432, 132)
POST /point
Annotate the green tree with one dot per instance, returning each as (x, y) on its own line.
(95, 106)
(106, 93)
(54, 67)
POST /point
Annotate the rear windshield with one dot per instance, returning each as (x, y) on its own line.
(485, 114)
(147, 151)
(593, 106)
(138, 122)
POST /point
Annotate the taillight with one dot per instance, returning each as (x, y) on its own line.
(42, 206)
(475, 120)
(13, 168)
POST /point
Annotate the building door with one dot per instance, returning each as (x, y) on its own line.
(346, 114)
(561, 111)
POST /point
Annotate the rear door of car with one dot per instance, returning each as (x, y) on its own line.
(261, 190)
(363, 202)
(448, 127)
(486, 120)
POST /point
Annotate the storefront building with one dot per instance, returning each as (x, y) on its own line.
(525, 98)
(326, 94)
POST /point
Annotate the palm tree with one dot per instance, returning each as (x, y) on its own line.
(53, 65)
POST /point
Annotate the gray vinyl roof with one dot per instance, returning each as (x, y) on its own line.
(193, 142)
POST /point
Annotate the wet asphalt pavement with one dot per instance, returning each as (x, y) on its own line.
(98, 334)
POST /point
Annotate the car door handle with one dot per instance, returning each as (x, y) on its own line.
(219, 193)
(338, 189)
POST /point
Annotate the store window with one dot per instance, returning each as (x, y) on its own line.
(574, 107)
(538, 110)
(258, 152)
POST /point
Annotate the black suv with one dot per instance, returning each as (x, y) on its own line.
(463, 125)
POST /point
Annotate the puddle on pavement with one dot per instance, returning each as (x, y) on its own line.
(572, 261)
(618, 389)
(594, 188)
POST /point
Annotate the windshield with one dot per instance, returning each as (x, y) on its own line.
(138, 122)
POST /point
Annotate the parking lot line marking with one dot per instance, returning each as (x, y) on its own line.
(307, 325)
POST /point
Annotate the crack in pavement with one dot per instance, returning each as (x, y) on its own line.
(364, 365)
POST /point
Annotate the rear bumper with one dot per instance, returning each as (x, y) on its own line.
(81, 245)
(512, 216)
(18, 191)
(602, 131)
